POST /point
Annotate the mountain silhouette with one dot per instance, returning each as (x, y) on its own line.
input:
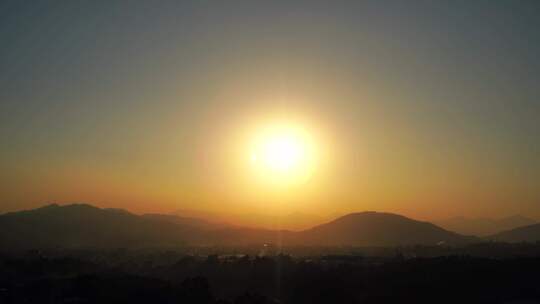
(530, 233)
(484, 226)
(379, 229)
(82, 225)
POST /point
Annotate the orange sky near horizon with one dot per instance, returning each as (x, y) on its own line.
(426, 110)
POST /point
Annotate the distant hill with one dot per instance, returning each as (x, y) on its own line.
(295, 221)
(82, 225)
(379, 229)
(484, 226)
(183, 221)
(530, 233)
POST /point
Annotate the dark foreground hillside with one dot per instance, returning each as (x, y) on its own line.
(168, 277)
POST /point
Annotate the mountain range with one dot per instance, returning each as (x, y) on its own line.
(484, 226)
(82, 225)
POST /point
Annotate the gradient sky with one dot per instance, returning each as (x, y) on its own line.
(425, 108)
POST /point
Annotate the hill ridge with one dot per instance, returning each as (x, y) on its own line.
(87, 225)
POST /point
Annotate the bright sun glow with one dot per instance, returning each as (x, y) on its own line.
(283, 153)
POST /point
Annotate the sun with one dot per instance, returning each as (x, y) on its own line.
(283, 153)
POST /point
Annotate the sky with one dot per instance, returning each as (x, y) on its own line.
(424, 108)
